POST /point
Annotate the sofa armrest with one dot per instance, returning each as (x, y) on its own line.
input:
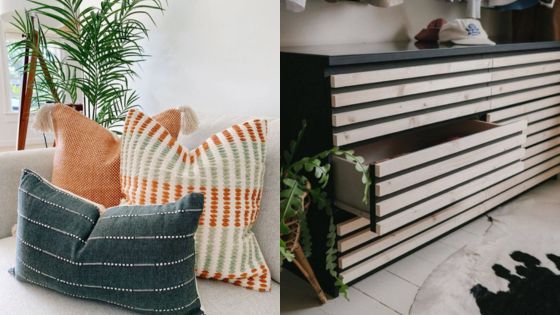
(11, 164)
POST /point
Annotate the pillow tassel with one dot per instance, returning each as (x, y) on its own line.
(189, 120)
(43, 119)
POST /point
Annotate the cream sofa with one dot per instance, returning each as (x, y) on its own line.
(20, 298)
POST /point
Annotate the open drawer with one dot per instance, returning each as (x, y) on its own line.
(417, 174)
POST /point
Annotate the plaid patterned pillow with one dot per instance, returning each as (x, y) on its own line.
(228, 169)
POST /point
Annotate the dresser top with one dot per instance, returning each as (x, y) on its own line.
(336, 55)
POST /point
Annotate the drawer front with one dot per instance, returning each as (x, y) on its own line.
(395, 108)
(427, 155)
(373, 251)
(410, 186)
(364, 95)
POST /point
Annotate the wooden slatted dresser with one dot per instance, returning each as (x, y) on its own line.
(449, 133)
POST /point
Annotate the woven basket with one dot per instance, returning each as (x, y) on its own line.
(292, 239)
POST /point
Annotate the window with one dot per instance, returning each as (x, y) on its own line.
(15, 75)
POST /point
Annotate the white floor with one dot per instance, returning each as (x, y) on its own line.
(392, 290)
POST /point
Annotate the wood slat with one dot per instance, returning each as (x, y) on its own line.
(408, 245)
(525, 71)
(351, 225)
(541, 136)
(524, 59)
(410, 160)
(542, 125)
(394, 222)
(403, 107)
(398, 236)
(341, 99)
(354, 240)
(385, 75)
(537, 159)
(524, 96)
(522, 109)
(385, 187)
(536, 149)
(525, 84)
(536, 116)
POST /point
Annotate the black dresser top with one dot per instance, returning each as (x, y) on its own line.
(336, 55)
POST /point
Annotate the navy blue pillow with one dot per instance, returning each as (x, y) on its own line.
(138, 257)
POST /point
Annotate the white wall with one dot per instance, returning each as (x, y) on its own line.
(214, 55)
(349, 22)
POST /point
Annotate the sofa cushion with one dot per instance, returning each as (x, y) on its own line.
(228, 168)
(26, 299)
(141, 257)
(266, 228)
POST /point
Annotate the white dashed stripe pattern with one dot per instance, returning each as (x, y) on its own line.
(58, 206)
(51, 228)
(132, 215)
(154, 237)
(108, 264)
(80, 285)
(180, 308)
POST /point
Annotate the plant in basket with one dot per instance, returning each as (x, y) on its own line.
(304, 182)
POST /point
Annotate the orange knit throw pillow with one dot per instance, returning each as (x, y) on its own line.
(87, 156)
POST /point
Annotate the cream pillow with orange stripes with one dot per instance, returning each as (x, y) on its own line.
(228, 169)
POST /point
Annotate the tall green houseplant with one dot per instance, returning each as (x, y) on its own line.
(101, 51)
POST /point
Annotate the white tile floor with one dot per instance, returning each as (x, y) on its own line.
(392, 290)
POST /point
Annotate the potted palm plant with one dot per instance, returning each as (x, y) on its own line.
(304, 182)
(100, 48)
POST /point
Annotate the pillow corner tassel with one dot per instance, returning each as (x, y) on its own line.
(189, 120)
(44, 119)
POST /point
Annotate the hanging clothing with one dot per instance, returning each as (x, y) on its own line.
(548, 3)
(538, 23)
(518, 5)
(496, 3)
(295, 5)
(473, 9)
(385, 3)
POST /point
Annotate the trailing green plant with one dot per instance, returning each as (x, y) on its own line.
(296, 177)
(101, 49)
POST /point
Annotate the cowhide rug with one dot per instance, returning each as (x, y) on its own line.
(515, 269)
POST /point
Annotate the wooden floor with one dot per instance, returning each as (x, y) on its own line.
(392, 290)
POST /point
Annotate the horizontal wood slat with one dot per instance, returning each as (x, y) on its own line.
(385, 75)
(525, 71)
(523, 109)
(536, 149)
(351, 225)
(518, 85)
(525, 96)
(541, 136)
(521, 59)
